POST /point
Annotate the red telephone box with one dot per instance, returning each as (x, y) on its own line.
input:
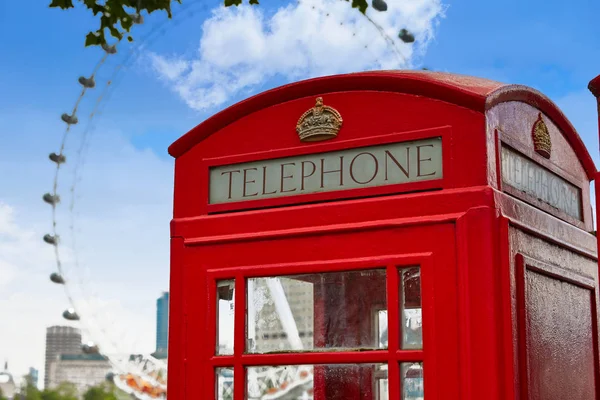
(384, 235)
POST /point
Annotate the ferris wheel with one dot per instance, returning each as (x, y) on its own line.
(142, 375)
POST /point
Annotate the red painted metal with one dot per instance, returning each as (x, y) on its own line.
(467, 232)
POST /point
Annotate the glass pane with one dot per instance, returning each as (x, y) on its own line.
(225, 306)
(410, 308)
(325, 311)
(224, 382)
(331, 382)
(382, 325)
(412, 381)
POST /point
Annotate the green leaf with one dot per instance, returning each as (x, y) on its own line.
(130, 38)
(229, 3)
(362, 5)
(253, 2)
(64, 4)
(93, 40)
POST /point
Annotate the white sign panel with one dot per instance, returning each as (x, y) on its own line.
(531, 178)
(371, 166)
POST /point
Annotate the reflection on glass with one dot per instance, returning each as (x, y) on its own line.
(381, 381)
(225, 306)
(331, 382)
(382, 326)
(410, 308)
(412, 381)
(324, 311)
(224, 382)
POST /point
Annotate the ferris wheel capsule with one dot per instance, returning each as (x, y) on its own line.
(87, 83)
(57, 278)
(51, 198)
(90, 348)
(57, 158)
(379, 5)
(51, 239)
(70, 315)
(406, 36)
(69, 119)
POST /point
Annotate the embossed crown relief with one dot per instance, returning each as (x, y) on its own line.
(319, 123)
(542, 143)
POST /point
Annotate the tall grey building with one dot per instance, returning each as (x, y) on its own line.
(60, 340)
(162, 323)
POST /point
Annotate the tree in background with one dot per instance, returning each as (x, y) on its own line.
(64, 391)
(2, 395)
(118, 16)
(100, 392)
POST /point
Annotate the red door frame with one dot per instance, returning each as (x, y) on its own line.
(427, 260)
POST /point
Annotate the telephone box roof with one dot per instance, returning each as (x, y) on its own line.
(473, 93)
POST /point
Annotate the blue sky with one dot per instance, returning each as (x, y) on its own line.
(181, 77)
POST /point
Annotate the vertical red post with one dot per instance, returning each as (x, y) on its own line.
(594, 87)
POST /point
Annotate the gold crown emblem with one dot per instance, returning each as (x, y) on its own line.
(319, 123)
(542, 143)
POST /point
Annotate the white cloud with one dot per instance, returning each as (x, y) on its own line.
(242, 48)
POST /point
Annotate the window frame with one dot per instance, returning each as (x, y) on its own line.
(393, 356)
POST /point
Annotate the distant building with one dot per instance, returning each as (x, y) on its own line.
(60, 340)
(7, 383)
(82, 370)
(162, 324)
(270, 335)
(33, 376)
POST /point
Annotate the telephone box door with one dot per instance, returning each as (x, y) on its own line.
(347, 312)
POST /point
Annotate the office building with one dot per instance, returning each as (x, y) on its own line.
(33, 376)
(60, 340)
(82, 370)
(162, 323)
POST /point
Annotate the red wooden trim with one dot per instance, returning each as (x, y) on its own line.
(335, 195)
(222, 361)
(546, 106)
(316, 357)
(177, 340)
(469, 93)
(464, 334)
(393, 314)
(594, 86)
(430, 334)
(212, 332)
(239, 338)
(328, 147)
(551, 239)
(507, 363)
(559, 273)
(410, 356)
(212, 317)
(328, 229)
(595, 306)
(393, 307)
(522, 326)
(498, 151)
(446, 181)
(315, 267)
